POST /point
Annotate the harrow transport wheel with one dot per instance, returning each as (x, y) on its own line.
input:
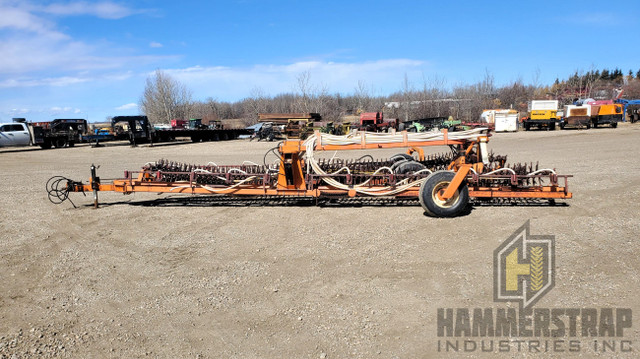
(431, 190)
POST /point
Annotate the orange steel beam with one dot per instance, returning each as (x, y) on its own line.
(128, 186)
(460, 176)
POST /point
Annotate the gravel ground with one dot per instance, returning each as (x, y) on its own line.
(128, 281)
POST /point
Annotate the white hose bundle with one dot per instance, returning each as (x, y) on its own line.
(355, 138)
(377, 138)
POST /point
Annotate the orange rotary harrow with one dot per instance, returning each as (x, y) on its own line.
(444, 184)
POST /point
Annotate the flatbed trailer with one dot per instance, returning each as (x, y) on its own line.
(199, 135)
(57, 133)
(443, 184)
(139, 130)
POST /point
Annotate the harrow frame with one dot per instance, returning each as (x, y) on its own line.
(296, 176)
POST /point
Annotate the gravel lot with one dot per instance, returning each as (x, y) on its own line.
(128, 281)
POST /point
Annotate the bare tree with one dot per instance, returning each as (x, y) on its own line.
(304, 90)
(165, 98)
(258, 103)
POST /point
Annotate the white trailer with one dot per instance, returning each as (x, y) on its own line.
(503, 120)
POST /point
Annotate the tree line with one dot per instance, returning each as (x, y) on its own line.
(166, 98)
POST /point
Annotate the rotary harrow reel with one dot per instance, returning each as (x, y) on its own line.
(443, 183)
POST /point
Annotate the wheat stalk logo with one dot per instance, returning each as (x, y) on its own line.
(537, 261)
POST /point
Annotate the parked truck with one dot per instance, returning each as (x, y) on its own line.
(14, 134)
(57, 133)
(542, 114)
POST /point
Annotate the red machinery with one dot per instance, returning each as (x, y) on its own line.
(443, 183)
(375, 122)
(179, 124)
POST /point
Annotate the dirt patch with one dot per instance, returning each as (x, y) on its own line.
(297, 281)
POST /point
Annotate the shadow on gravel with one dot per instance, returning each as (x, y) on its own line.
(225, 201)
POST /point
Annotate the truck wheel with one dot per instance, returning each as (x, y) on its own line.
(71, 143)
(59, 143)
(436, 183)
(45, 145)
(614, 124)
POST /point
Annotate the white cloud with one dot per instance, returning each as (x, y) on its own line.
(19, 111)
(33, 82)
(25, 28)
(105, 10)
(19, 18)
(155, 44)
(129, 106)
(232, 83)
(60, 109)
(595, 18)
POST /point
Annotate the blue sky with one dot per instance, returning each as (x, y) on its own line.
(90, 59)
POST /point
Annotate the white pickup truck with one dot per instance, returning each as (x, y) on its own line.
(14, 134)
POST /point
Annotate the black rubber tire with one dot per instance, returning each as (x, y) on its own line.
(408, 166)
(71, 144)
(595, 124)
(614, 124)
(433, 207)
(45, 145)
(398, 163)
(401, 156)
(60, 143)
